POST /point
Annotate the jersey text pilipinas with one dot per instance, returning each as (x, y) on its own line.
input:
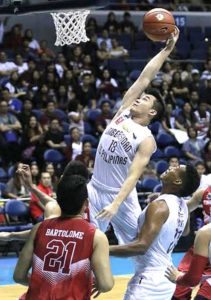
(117, 148)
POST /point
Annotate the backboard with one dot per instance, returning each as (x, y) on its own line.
(11, 7)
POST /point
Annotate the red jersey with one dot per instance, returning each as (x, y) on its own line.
(182, 292)
(35, 210)
(61, 268)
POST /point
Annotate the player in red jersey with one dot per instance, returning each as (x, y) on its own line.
(63, 251)
(200, 265)
(201, 196)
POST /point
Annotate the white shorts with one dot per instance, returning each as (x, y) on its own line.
(149, 286)
(125, 223)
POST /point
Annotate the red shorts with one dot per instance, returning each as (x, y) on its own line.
(205, 290)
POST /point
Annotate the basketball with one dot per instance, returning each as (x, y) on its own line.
(158, 24)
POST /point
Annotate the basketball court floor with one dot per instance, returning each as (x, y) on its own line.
(122, 268)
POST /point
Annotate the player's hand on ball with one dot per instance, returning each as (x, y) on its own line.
(170, 43)
(172, 274)
(108, 212)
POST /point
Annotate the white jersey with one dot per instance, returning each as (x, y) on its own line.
(116, 150)
(158, 256)
(205, 181)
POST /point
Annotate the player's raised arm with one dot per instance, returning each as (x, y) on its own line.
(149, 72)
(25, 174)
(194, 202)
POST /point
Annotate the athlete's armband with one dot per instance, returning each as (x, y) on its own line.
(194, 274)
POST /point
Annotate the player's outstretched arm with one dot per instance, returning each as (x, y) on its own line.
(137, 167)
(21, 273)
(104, 281)
(10, 236)
(156, 215)
(25, 173)
(198, 263)
(194, 202)
(149, 72)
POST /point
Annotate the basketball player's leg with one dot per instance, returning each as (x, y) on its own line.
(125, 223)
(150, 285)
(97, 200)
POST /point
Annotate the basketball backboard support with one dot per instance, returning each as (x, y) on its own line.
(11, 7)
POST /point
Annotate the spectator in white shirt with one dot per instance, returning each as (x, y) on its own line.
(207, 72)
(118, 51)
(60, 65)
(20, 64)
(205, 179)
(6, 67)
(33, 43)
(104, 37)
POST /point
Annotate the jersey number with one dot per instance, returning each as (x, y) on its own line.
(60, 258)
(112, 146)
(175, 241)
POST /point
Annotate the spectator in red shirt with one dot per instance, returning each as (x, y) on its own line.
(35, 205)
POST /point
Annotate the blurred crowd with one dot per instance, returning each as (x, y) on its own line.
(62, 101)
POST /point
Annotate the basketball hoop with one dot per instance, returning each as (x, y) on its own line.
(70, 27)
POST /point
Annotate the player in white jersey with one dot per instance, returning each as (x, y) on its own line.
(160, 226)
(123, 152)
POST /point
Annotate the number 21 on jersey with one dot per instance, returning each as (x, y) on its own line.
(60, 256)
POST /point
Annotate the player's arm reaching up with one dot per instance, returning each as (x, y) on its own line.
(149, 72)
(25, 174)
(51, 208)
(195, 200)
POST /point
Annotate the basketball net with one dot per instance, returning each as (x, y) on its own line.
(70, 27)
